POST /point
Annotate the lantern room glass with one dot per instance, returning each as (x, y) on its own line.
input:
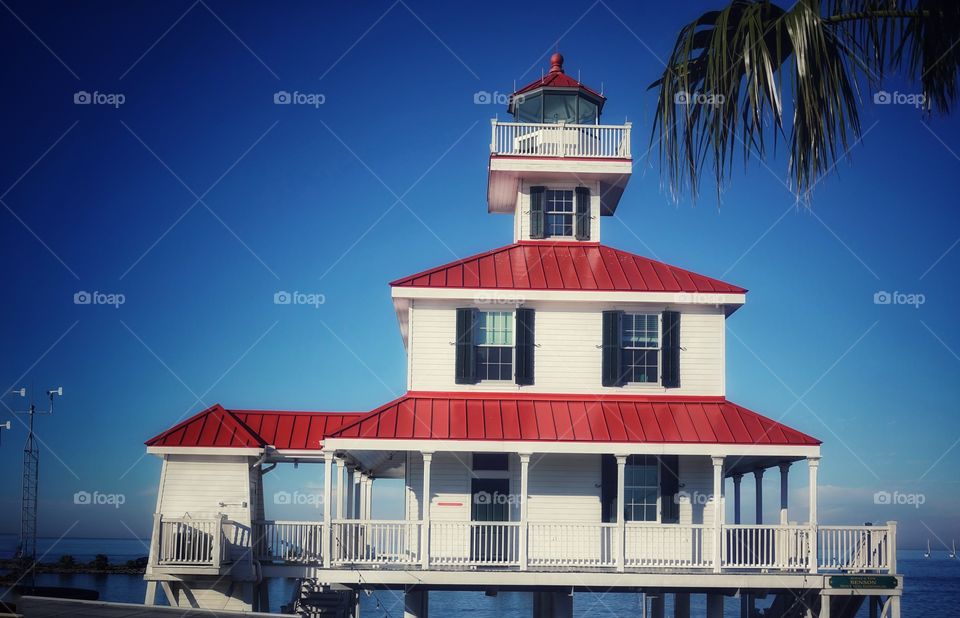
(555, 107)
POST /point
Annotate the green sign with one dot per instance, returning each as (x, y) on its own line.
(863, 581)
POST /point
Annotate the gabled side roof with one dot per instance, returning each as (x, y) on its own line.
(219, 427)
(539, 265)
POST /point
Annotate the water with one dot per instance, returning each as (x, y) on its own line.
(932, 587)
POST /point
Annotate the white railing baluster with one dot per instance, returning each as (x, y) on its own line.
(560, 140)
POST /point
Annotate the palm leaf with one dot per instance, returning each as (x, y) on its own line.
(723, 88)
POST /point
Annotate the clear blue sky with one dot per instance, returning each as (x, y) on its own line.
(305, 198)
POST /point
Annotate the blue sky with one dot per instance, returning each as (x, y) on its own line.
(198, 198)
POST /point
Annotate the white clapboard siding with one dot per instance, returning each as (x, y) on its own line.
(568, 356)
(198, 484)
(521, 227)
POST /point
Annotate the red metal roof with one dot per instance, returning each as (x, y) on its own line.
(548, 265)
(562, 418)
(219, 427)
(556, 78)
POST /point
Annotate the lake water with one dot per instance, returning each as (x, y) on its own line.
(932, 586)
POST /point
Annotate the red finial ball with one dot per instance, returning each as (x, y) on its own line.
(556, 62)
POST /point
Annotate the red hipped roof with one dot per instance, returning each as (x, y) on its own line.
(539, 265)
(570, 418)
(492, 416)
(556, 78)
(219, 427)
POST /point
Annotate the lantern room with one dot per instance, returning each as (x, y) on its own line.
(556, 98)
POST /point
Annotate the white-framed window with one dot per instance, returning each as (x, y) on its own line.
(558, 212)
(640, 347)
(494, 331)
(641, 491)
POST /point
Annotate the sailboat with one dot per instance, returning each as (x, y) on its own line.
(953, 549)
(927, 553)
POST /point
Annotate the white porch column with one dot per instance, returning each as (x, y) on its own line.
(425, 520)
(341, 494)
(350, 491)
(369, 513)
(825, 605)
(621, 522)
(524, 529)
(737, 478)
(784, 493)
(758, 478)
(813, 465)
(717, 520)
(327, 507)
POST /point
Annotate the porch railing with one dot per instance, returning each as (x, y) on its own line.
(528, 139)
(376, 542)
(785, 548)
(474, 543)
(572, 544)
(297, 542)
(186, 541)
(202, 542)
(668, 546)
(856, 548)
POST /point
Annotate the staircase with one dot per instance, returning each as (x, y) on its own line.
(311, 599)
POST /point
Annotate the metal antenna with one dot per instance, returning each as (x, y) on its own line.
(27, 547)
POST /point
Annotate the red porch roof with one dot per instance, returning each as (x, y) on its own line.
(563, 418)
(219, 427)
(545, 265)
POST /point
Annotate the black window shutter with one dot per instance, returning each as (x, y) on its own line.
(669, 488)
(671, 349)
(583, 213)
(537, 226)
(466, 358)
(612, 375)
(608, 489)
(525, 343)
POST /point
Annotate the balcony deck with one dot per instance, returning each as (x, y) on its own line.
(558, 151)
(546, 547)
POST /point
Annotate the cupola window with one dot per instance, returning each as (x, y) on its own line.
(559, 212)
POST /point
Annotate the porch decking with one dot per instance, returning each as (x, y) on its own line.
(555, 546)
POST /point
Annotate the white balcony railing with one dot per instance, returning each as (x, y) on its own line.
(572, 545)
(474, 543)
(560, 140)
(297, 542)
(185, 541)
(856, 548)
(376, 542)
(785, 548)
(668, 546)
